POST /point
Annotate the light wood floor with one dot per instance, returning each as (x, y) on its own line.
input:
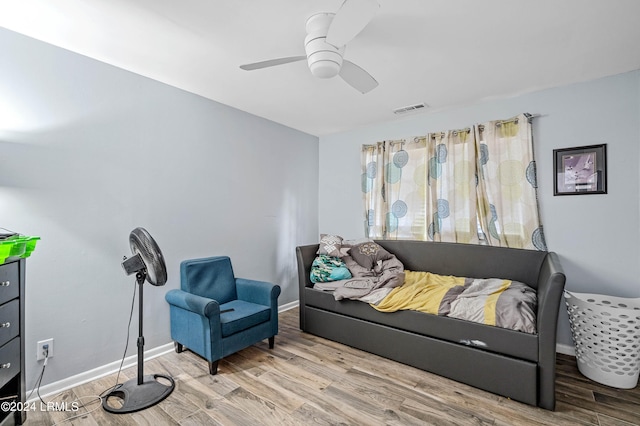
(309, 380)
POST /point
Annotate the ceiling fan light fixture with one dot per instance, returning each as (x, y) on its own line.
(325, 64)
(324, 69)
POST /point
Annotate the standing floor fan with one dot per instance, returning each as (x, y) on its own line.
(145, 391)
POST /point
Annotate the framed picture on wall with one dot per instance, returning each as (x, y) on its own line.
(580, 170)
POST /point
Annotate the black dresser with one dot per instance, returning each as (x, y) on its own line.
(12, 380)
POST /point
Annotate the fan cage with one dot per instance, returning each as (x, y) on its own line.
(141, 242)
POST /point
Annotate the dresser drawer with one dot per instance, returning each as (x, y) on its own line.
(9, 360)
(9, 321)
(9, 284)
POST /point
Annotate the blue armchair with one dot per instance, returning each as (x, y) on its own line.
(215, 314)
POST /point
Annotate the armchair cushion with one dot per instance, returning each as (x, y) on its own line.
(210, 277)
(244, 316)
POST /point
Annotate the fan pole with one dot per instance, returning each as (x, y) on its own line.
(140, 277)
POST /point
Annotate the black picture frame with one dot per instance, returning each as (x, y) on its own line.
(580, 170)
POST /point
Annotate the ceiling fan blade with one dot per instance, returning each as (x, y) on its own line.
(352, 17)
(271, 63)
(357, 78)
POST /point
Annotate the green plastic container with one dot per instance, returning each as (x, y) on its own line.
(30, 246)
(5, 250)
(17, 247)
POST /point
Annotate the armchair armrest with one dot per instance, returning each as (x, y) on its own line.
(259, 292)
(193, 303)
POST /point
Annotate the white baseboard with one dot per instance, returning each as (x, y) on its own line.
(565, 349)
(288, 306)
(79, 379)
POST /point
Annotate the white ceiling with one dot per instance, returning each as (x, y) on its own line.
(442, 52)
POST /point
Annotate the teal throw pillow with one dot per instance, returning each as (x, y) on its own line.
(328, 268)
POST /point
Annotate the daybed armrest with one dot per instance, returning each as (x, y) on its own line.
(551, 282)
(550, 289)
(259, 292)
(193, 303)
(305, 256)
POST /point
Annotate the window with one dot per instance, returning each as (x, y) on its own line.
(475, 185)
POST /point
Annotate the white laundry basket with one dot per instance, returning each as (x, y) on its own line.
(606, 334)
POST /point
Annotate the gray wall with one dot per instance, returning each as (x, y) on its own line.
(596, 236)
(89, 151)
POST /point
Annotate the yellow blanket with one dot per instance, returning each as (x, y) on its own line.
(421, 291)
(491, 301)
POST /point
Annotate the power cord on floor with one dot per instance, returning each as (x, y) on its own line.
(36, 388)
(96, 398)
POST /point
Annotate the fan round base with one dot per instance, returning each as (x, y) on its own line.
(135, 397)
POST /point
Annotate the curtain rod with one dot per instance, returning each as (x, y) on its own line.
(455, 133)
(529, 117)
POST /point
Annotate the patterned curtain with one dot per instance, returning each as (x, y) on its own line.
(451, 192)
(508, 204)
(372, 181)
(406, 183)
(475, 186)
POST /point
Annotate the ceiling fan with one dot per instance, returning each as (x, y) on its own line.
(327, 36)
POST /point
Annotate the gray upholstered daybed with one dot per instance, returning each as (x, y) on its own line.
(514, 364)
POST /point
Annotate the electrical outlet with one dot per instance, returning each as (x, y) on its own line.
(40, 350)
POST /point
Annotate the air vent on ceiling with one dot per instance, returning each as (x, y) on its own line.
(409, 108)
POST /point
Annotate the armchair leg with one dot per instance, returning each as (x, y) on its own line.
(213, 367)
(178, 347)
(272, 341)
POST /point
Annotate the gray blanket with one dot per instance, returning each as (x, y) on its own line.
(366, 285)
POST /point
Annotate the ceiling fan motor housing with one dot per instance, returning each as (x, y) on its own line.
(324, 59)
